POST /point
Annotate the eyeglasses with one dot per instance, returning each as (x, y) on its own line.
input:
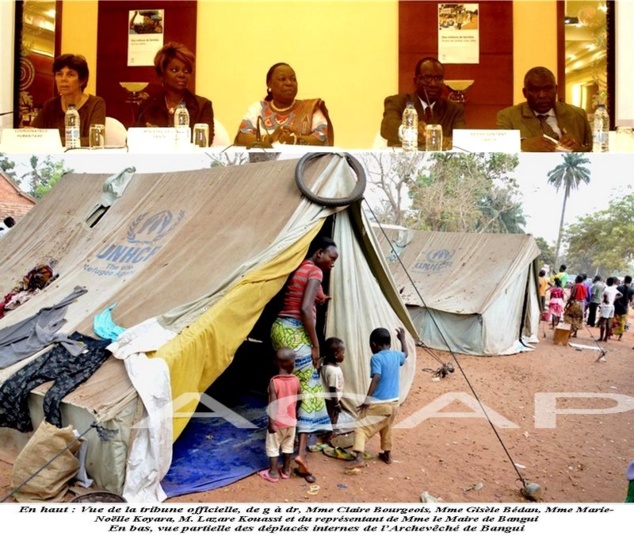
(429, 78)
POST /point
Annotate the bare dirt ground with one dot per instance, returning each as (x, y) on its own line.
(583, 459)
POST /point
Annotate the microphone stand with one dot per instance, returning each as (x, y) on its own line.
(259, 143)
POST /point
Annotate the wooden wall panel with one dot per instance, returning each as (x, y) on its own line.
(493, 87)
(112, 48)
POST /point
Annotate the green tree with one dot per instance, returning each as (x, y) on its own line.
(43, 175)
(568, 175)
(602, 242)
(8, 166)
(547, 255)
(468, 193)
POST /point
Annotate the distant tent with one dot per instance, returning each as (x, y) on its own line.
(191, 260)
(479, 291)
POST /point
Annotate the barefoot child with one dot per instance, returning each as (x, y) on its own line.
(284, 399)
(606, 314)
(381, 402)
(332, 378)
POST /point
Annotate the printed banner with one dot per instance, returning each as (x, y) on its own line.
(459, 33)
(145, 36)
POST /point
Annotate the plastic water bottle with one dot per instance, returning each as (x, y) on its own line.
(71, 122)
(600, 130)
(181, 124)
(409, 129)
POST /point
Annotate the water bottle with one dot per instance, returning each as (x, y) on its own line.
(409, 129)
(600, 130)
(181, 124)
(71, 122)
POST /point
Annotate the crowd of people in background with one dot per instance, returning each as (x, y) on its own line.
(592, 302)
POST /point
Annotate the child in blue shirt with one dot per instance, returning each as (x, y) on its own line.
(381, 403)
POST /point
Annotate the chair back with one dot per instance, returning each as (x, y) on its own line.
(116, 133)
(221, 136)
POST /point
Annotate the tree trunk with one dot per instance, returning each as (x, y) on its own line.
(561, 227)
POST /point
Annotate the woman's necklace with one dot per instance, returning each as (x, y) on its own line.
(282, 110)
(170, 109)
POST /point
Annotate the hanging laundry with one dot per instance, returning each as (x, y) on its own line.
(67, 372)
(38, 331)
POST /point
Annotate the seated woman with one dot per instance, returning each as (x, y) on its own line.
(71, 78)
(174, 64)
(281, 118)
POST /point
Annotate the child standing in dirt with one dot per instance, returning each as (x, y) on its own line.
(284, 400)
(332, 378)
(381, 402)
(606, 314)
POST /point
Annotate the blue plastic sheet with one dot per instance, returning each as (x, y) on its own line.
(212, 452)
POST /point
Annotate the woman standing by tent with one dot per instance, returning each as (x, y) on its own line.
(295, 328)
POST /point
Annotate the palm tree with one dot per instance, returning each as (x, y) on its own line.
(570, 174)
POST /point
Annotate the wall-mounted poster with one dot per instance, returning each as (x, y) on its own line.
(458, 33)
(145, 36)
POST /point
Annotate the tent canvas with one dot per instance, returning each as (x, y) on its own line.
(479, 291)
(190, 259)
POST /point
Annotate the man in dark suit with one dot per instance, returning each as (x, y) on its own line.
(545, 124)
(432, 108)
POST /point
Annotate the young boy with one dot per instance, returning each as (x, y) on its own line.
(606, 314)
(381, 403)
(284, 400)
(332, 378)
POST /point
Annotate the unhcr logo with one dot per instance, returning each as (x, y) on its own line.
(144, 237)
(437, 260)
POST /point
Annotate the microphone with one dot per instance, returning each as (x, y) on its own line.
(259, 143)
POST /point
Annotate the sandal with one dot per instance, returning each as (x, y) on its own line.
(338, 453)
(267, 476)
(308, 477)
(317, 447)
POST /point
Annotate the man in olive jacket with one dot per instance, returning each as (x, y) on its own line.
(546, 125)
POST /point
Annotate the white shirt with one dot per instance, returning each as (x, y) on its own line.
(332, 376)
(611, 292)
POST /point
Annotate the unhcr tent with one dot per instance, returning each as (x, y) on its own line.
(189, 260)
(473, 293)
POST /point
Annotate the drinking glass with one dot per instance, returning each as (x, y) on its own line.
(433, 138)
(201, 135)
(97, 136)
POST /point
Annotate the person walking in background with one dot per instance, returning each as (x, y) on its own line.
(573, 313)
(562, 275)
(596, 297)
(284, 398)
(543, 287)
(556, 303)
(622, 305)
(378, 411)
(606, 314)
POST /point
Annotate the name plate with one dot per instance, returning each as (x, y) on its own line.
(151, 139)
(31, 140)
(486, 141)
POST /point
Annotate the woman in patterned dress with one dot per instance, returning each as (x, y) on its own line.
(295, 328)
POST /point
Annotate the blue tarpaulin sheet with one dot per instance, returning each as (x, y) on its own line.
(216, 451)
